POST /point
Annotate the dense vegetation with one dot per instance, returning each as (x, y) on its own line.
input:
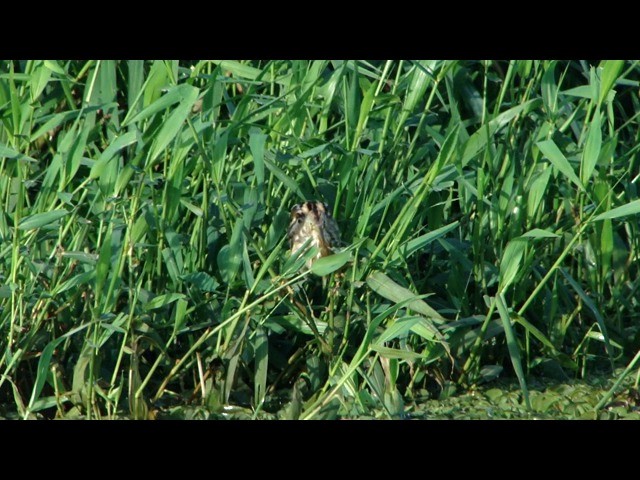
(489, 211)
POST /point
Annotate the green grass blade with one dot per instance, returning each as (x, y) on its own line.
(610, 71)
(551, 151)
(631, 208)
(591, 149)
(383, 285)
(514, 349)
(38, 220)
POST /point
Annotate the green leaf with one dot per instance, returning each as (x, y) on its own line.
(409, 248)
(179, 315)
(591, 149)
(41, 219)
(539, 233)
(174, 123)
(400, 328)
(512, 345)
(10, 153)
(7, 290)
(365, 109)
(550, 88)
(284, 178)
(39, 80)
(45, 361)
(551, 151)
(537, 192)
(179, 94)
(109, 153)
(104, 262)
(326, 265)
(55, 67)
(631, 208)
(510, 263)
(201, 280)
(256, 143)
(478, 141)
(261, 352)
(230, 256)
(383, 285)
(388, 352)
(610, 71)
(64, 117)
(73, 282)
(596, 313)
(583, 91)
(163, 300)
(251, 73)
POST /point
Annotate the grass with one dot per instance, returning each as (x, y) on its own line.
(489, 208)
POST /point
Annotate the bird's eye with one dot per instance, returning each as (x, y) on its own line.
(299, 219)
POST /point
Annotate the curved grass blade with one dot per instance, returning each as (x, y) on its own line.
(41, 219)
(512, 345)
(551, 151)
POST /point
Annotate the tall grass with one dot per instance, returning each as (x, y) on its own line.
(489, 208)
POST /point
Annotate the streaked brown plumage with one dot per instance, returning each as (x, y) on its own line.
(313, 220)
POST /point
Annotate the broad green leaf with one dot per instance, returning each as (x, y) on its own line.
(365, 109)
(596, 312)
(201, 280)
(39, 80)
(631, 208)
(540, 233)
(55, 67)
(163, 300)
(75, 155)
(174, 123)
(551, 151)
(388, 352)
(73, 282)
(12, 154)
(261, 356)
(610, 71)
(79, 379)
(478, 141)
(583, 91)
(409, 248)
(62, 118)
(41, 219)
(6, 290)
(104, 262)
(48, 402)
(284, 178)
(182, 94)
(326, 265)
(550, 88)
(251, 73)
(512, 345)
(179, 315)
(230, 256)
(566, 360)
(256, 143)
(537, 192)
(383, 285)
(400, 328)
(511, 262)
(173, 263)
(45, 361)
(109, 153)
(591, 149)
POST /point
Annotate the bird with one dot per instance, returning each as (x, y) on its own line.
(313, 220)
